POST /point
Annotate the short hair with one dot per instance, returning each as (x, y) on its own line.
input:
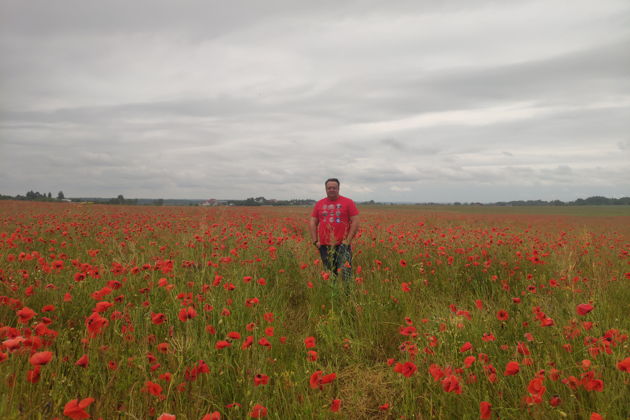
(332, 180)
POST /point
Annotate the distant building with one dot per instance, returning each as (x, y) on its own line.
(214, 202)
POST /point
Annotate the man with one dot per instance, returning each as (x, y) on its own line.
(334, 223)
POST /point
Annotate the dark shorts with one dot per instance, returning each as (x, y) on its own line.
(337, 258)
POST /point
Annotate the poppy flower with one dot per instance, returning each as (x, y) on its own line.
(33, 375)
(187, 313)
(83, 361)
(503, 315)
(406, 369)
(152, 388)
(221, 344)
(583, 308)
(624, 365)
(158, 318)
(212, 416)
(261, 379)
(485, 410)
(451, 384)
(75, 409)
(467, 346)
(258, 411)
(309, 342)
(25, 314)
(167, 416)
(318, 381)
(511, 368)
(41, 358)
(335, 405)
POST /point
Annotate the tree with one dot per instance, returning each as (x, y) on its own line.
(60, 195)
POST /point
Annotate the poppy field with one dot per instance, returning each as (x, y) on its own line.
(226, 313)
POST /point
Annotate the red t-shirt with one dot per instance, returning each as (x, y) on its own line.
(334, 219)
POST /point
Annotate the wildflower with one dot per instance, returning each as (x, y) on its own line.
(187, 313)
(41, 358)
(166, 416)
(451, 384)
(511, 368)
(75, 409)
(83, 361)
(152, 388)
(258, 411)
(406, 369)
(309, 342)
(624, 365)
(261, 379)
(318, 381)
(335, 405)
(583, 308)
(158, 318)
(485, 410)
(503, 315)
(25, 314)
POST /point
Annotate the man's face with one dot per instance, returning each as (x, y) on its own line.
(332, 190)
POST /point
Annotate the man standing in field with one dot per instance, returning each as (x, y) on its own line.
(334, 222)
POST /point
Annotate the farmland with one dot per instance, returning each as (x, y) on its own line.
(226, 312)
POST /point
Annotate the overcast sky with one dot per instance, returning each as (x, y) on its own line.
(417, 101)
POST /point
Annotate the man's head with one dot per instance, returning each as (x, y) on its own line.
(332, 188)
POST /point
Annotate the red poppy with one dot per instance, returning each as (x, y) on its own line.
(41, 358)
(309, 342)
(261, 379)
(75, 409)
(83, 361)
(451, 384)
(318, 381)
(406, 369)
(554, 401)
(158, 318)
(624, 365)
(485, 410)
(511, 368)
(335, 405)
(167, 416)
(212, 416)
(33, 375)
(221, 344)
(187, 313)
(25, 314)
(502, 315)
(258, 411)
(152, 388)
(584, 308)
(467, 346)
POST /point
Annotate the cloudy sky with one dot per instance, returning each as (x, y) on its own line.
(443, 101)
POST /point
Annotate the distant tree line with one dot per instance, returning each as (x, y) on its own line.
(262, 201)
(34, 196)
(590, 201)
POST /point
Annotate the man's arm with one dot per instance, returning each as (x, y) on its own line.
(352, 230)
(313, 226)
